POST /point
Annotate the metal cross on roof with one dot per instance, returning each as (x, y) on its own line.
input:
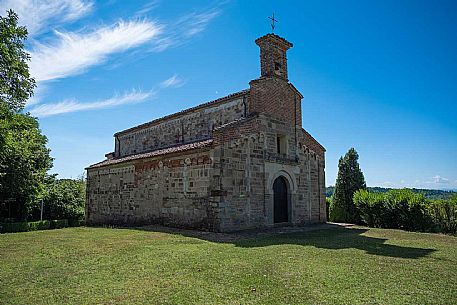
(273, 20)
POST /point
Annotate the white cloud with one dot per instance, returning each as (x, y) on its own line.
(145, 9)
(184, 28)
(439, 180)
(73, 53)
(74, 105)
(38, 94)
(387, 184)
(172, 82)
(37, 15)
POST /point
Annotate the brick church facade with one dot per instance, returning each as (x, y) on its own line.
(242, 161)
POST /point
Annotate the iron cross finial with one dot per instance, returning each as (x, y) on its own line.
(273, 20)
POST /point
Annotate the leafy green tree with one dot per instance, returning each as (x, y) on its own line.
(63, 199)
(350, 179)
(16, 84)
(24, 158)
(24, 161)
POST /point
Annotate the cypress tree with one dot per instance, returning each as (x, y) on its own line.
(350, 179)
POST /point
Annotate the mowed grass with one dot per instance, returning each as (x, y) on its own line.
(135, 266)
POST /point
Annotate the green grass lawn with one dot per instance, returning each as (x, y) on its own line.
(128, 266)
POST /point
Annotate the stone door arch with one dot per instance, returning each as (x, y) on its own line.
(287, 175)
(280, 200)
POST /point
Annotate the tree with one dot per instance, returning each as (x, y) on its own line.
(24, 161)
(350, 179)
(24, 158)
(62, 199)
(16, 84)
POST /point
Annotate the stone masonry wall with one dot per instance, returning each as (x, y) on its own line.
(246, 164)
(238, 173)
(169, 190)
(193, 126)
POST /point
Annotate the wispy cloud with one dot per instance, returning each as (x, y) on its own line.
(134, 96)
(36, 15)
(440, 180)
(73, 53)
(387, 184)
(74, 105)
(38, 93)
(183, 29)
(172, 82)
(148, 7)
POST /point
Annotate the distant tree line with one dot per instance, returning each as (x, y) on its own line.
(408, 209)
(428, 193)
(24, 158)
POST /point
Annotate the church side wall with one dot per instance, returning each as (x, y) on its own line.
(196, 125)
(168, 190)
(312, 173)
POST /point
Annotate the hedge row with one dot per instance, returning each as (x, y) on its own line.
(12, 227)
(403, 209)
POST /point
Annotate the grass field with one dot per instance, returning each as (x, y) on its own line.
(129, 266)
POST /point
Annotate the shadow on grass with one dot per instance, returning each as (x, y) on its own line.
(342, 238)
(324, 236)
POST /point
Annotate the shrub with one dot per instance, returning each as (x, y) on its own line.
(403, 209)
(328, 202)
(76, 222)
(371, 208)
(58, 224)
(12, 227)
(39, 225)
(407, 210)
(444, 215)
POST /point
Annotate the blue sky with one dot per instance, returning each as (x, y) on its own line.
(380, 76)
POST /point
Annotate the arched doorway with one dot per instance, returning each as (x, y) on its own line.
(280, 200)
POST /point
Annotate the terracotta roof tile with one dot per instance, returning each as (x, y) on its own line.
(159, 152)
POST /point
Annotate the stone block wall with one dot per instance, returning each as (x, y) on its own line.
(169, 190)
(225, 187)
(238, 163)
(246, 165)
(188, 127)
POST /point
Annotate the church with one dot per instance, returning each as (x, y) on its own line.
(242, 161)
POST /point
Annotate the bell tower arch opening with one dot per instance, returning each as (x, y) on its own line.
(273, 58)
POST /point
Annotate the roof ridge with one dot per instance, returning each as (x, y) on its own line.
(154, 153)
(169, 116)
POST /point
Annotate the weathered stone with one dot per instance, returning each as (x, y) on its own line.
(213, 166)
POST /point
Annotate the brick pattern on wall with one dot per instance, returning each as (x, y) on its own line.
(276, 98)
(187, 128)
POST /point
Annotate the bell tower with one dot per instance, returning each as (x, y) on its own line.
(271, 94)
(273, 59)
